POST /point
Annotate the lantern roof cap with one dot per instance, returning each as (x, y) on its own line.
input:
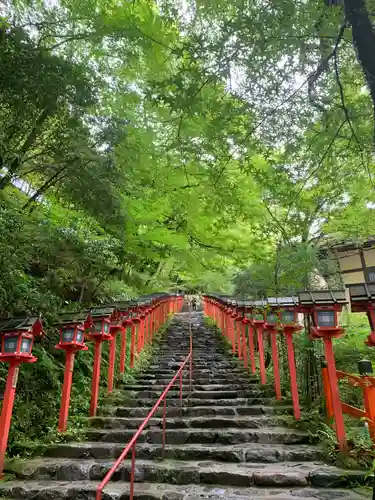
(248, 303)
(241, 303)
(18, 323)
(121, 305)
(102, 311)
(259, 303)
(322, 297)
(361, 291)
(71, 317)
(283, 301)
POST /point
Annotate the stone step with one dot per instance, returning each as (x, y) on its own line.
(175, 393)
(175, 472)
(204, 379)
(171, 355)
(154, 435)
(79, 490)
(197, 372)
(202, 411)
(185, 423)
(227, 381)
(256, 391)
(245, 452)
(192, 401)
(202, 364)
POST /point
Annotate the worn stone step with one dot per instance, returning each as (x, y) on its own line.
(192, 401)
(187, 395)
(245, 452)
(187, 422)
(203, 380)
(196, 373)
(86, 490)
(256, 391)
(224, 436)
(216, 410)
(197, 365)
(176, 472)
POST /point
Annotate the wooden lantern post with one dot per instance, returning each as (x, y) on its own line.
(98, 329)
(324, 307)
(247, 322)
(288, 318)
(16, 343)
(115, 329)
(258, 321)
(242, 332)
(72, 339)
(271, 325)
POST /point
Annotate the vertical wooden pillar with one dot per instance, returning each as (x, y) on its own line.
(336, 402)
(96, 377)
(237, 326)
(244, 344)
(369, 404)
(7, 409)
(123, 350)
(327, 395)
(293, 374)
(275, 363)
(67, 387)
(262, 366)
(250, 333)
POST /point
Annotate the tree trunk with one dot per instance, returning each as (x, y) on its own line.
(363, 41)
(50, 182)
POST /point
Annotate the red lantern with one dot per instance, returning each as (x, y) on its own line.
(98, 329)
(288, 315)
(324, 307)
(72, 331)
(16, 344)
(115, 328)
(72, 339)
(258, 320)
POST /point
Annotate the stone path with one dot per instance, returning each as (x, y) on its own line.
(229, 443)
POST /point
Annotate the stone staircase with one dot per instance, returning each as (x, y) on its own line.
(227, 442)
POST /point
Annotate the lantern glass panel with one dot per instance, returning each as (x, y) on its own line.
(10, 344)
(106, 327)
(287, 317)
(272, 317)
(326, 318)
(97, 327)
(26, 345)
(79, 336)
(258, 316)
(68, 335)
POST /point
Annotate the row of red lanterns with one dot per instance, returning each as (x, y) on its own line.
(280, 316)
(143, 317)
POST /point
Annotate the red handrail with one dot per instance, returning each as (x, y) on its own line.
(132, 443)
(367, 385)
